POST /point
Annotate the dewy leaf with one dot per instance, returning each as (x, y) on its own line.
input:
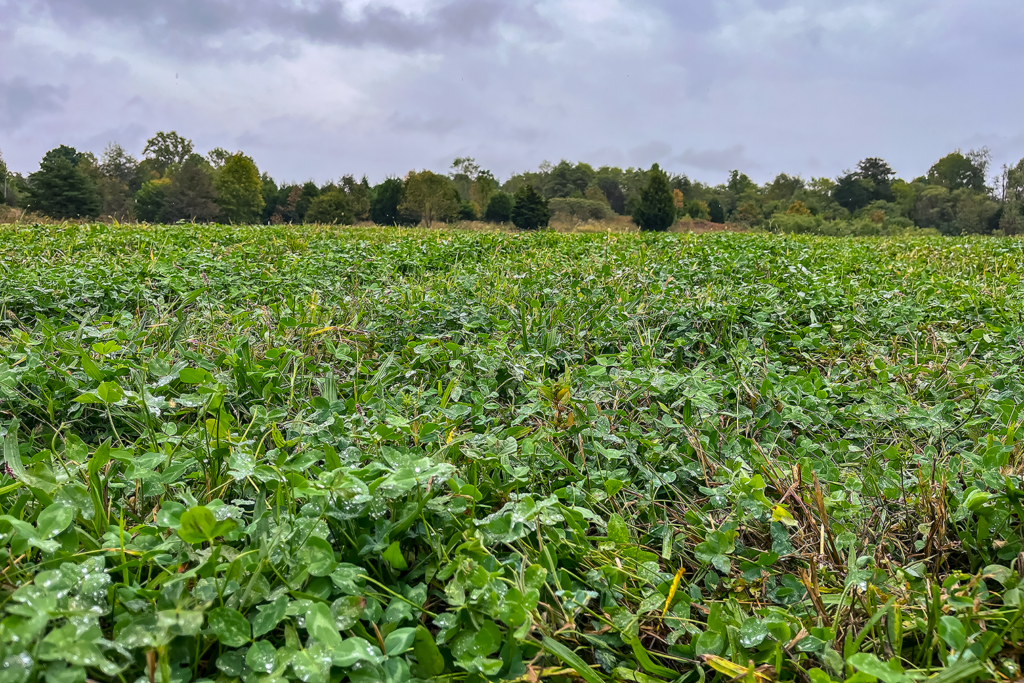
(617, 529)
(261, 657)
(398, 641)
(53, 520)
(753, 632)
(230, 627)
(268, 616)
(198, 525)
(320, 624)
(428, 655)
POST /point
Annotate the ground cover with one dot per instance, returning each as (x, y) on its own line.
(314, 454)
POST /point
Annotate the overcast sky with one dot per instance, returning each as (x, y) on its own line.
(321, 88)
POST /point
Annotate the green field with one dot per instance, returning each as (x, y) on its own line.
(291, 453)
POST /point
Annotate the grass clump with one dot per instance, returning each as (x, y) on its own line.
(326, 454)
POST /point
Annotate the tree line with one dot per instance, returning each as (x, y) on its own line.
(172, 182)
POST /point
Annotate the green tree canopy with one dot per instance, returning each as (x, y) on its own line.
(358, 193)
(385, 198)
(239, 190)
(955, 171)
(429, 197)
(332, 207)
(190, 195)
(530, 210)
(60, 189)
(167, 149)
(149, 200)
(499, 208)
(715, 211)
(656, 210)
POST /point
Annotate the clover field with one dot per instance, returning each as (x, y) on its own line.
(307, 454)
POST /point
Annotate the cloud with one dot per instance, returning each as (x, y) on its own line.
(325, 87)
(716, 159)
(190, 27)
(22, 101)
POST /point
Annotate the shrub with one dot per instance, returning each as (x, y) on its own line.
(580, 209)
(530, 211)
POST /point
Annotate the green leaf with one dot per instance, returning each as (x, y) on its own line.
(198, 525)
(952, 633)
(260, 657)
(617, 529)
(393, 556)
(194, 375)
(354, 650)
(109, 392)
(570, 658)
(399, 641)
(320, 624)
(53, 520)
(753, 632)
(12, 452)
(317, 556)
(230, 627)
(871, 665)
(428, 655)
(269, 616)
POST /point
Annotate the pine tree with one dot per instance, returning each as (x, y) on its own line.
(530, 211)
(60, 189)
(656, 210)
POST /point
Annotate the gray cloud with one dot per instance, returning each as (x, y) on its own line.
(21, 101)
(186, 26)
(716, 159)
(320, 88)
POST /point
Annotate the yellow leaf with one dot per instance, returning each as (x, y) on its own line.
(672, 591)
(781, 514)
(724, 666)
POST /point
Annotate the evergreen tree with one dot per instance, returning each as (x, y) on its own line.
(530, 210)
(385, 199)
(60, 189)
(239, 190)
(331, 207)
(656, 210)
(499, 209)
(190, 195)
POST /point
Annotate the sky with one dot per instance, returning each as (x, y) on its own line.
(315, 89)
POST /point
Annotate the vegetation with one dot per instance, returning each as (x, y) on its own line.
(369, 454)
(530, 210)
(959, 195)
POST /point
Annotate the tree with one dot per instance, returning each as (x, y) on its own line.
(217, 157)
(332, 207)
(167, 149)
(852, 192)
(117, 163)
(568, 180)
(656, 210)
(934, 209)
(150, 200)
(530, 210)
(612, 191)
(239, 190)
(190, 195)
(60, 189)
(308, 193)
(783, 187)
(4, 180)
(955, 171)
(385, 199)
(358, 196)
(499, 209)
(429, 197)
(271, 197)
(715, 211)
(974, 212)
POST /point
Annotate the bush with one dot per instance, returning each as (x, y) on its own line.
(799, 224)
(580, 209)
(499, 208)
(331, 207)
(531, 209)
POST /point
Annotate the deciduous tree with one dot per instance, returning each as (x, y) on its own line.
(239, 190)
(190, 195)
(167, 149)
(429, 197)
(332, 207)
(385, 199)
